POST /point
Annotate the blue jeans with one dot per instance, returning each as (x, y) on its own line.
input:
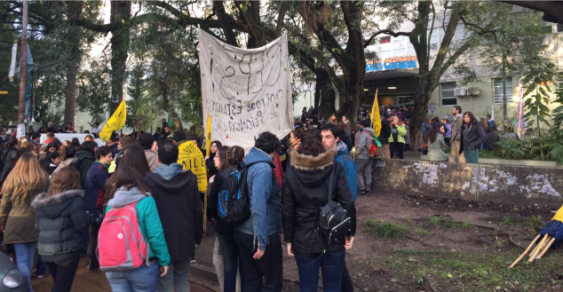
(231, 262)
(25, 253)
(142, 279)
(331, 264)
(40, 267)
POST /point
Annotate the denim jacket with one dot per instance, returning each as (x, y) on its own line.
(265, 198)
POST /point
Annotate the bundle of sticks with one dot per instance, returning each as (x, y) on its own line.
(552, 236)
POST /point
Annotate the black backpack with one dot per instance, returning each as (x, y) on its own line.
(233, 202)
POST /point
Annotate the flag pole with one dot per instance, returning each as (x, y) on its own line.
(23, 67)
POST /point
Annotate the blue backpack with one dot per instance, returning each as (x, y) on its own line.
(234, 204)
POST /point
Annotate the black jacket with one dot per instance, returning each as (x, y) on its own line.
(60, 219)
(210, 165)
(385, 131)
(305, 190)
(476, 136)
(82, 162)
(179, 207)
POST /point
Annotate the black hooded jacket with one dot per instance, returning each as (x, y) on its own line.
(305, 190)
(61, 219)
(179, 207)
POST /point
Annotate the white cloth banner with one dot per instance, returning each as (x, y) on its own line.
(246, 91)
(12, 71)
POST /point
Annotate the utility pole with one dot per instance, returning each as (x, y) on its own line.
(23, 64)
(504, 101)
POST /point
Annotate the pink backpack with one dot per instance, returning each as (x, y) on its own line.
(121, 246)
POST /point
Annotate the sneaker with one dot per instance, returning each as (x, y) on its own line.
(34, 274)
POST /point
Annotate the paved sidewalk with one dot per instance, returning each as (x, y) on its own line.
(85, 281)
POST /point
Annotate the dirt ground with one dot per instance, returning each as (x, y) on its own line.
(446, 245)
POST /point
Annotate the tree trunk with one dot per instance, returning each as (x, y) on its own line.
(421, 99)
(324, 94)
(74, 35)
(121, 13)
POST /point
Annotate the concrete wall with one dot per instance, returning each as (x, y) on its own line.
(507, 184)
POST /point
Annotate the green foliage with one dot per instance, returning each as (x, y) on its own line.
(533, 222)
(94, 92)
(385, 229)
(422, 232)
(140, 109)
(434, 220)
(511, 149)
(506, 221)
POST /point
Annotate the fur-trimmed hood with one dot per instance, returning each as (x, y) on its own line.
(43, 201)
(309, 163)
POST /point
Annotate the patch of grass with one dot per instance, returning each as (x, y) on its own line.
(407, 219)
(385, 229)
(473, 272)
(533, 222)
(467, 225)
(434, 220)
(506, 221)
(422, 232)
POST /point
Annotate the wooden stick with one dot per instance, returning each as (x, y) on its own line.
(535, 248)
(525, 252)
(545, 249)
(538, 248)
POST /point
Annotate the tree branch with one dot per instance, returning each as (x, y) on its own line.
(385, 31)
(284, 6)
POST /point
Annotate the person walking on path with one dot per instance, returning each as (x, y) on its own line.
(457, 151)
(94, 198)
(258, 238)
(23, 184)
(472, 135)
(312, 175)
(61, 219)
(128, 188)
(177, 200)
(384, 136)
(363, 160)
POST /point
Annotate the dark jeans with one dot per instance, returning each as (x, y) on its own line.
(347, 284)
(331, 265)
(397, 149)
(265, 274)
(231, 262)
(63, 273)
(40, 266)
(93, 245)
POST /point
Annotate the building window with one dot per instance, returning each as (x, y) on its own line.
(447, 90)
(385, 40)
(498, 90)
(559, 27)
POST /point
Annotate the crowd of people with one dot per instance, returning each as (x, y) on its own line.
(56, 197)
(60, 199)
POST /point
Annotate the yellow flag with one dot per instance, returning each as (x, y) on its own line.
(191, 158)
(559, 215)
(208, 137)
(116, 122)
(375, 117)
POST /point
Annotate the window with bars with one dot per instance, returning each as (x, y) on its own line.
(447, 93)
(498, 90)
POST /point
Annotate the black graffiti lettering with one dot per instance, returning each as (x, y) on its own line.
(228, 75)
(273, 68)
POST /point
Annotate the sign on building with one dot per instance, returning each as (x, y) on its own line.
(407, 62)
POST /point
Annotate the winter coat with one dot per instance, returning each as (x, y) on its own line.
(264, 194)
(305, 190)
(401, 133)
(385, 132)
(95, 181)
(349, 167)
(82, 162)
(476, 136)
(436, 149)
(176, 194)
(210, 165)
(61, 219)
(9, 160)
(364, 143)
(18, 218)
(149, 221)
(213, 202)
(456, 128)
(152, 159)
